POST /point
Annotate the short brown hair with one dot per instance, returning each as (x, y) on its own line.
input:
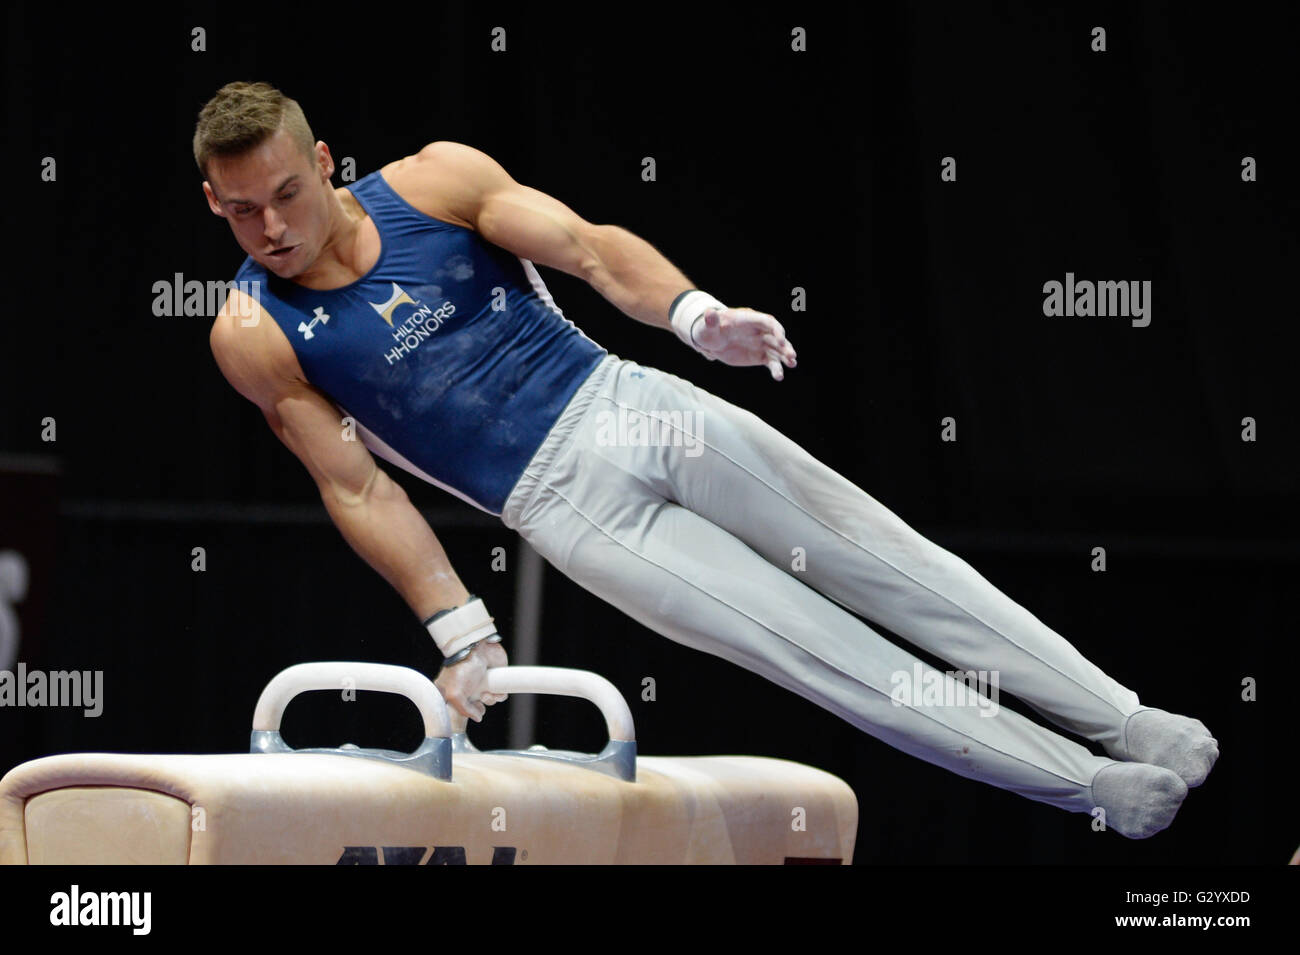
(244, 115)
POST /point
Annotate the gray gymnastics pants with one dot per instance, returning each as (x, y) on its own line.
(699, 520)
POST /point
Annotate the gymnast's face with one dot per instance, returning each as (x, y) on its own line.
(277, 201)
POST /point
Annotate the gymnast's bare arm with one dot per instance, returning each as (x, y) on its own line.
(370, 509)
(460, 184)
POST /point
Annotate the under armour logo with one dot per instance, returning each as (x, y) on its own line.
(306, 328)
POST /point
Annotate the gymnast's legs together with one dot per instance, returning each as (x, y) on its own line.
(712, 528)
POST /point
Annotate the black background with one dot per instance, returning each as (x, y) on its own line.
(775, 170)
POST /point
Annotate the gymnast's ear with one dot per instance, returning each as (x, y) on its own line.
(324, 161)
(213, 203)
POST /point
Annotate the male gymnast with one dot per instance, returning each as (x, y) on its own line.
(407, 309)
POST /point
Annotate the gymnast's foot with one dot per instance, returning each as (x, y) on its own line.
(1175, 742)
(1139, 799)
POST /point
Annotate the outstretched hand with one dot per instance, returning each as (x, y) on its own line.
(742, 336)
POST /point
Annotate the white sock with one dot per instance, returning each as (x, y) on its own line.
(1139, 799)
(1175, 742)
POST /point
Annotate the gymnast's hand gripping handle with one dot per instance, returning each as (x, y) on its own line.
(618, 758)
(432, 757)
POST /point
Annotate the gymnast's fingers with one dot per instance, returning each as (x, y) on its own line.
(780, 348)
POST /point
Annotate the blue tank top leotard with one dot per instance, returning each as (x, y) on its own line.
(450, 354)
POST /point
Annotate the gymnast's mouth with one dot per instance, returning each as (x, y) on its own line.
(282, 253)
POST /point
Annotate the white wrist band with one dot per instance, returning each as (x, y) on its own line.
(453, 630)
(690, 306)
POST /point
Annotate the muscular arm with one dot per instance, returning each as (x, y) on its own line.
(378, 520)
(634, 276)
(371, 510)
(626, 269)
